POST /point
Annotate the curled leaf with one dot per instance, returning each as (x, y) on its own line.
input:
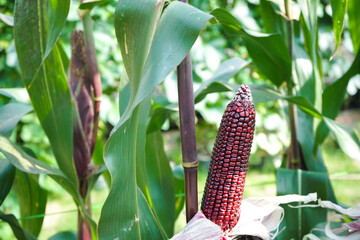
(259, 217)
(199, 228)
(347, 231)
(352, 212)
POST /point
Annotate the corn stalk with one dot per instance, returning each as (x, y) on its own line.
(188, 138)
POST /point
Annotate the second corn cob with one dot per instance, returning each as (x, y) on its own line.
(229, 161)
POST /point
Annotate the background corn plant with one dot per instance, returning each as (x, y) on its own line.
(278, 48)
(290, 45)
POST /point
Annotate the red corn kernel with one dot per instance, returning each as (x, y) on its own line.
(229, 162)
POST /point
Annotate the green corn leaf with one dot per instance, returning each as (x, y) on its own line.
(19, 232)
(312, 88)
(308, 74)
(10, 115)
(299, 221)
(28, 164)
(124, 93)
(354, 23)
(151, 49)
(5, 97)
(7, 175)
(44, 76)
(121, 204)
(307, 142)
(68, 235)
(57, 11)
(140, 164)
(179, 177)
(15, 94)
(121, 147)
(64, 58)
(9, 20)
(212, 88)
(32, 200)
(313, 160)
(161, 181)
(225, 71)
(331, 104)
(91, 4)
(149, 227)
(158, 117)
(305, 105)
(268, 51)
(273, 22)
(346, 138)
(262, 93)
(338, 8)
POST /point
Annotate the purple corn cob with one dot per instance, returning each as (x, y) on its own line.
(229, 161)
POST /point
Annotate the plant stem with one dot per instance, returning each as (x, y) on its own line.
(84, 228)
(188, 138)
(294, 158)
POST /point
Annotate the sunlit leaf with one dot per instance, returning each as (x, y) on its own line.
(225, 71)
(9, 20)
(212, 88)
(18, 94)
(305, 105)
(262, 93)
(338, 8)
(92, 3)
(273, 22)
(346, 138)
(56, 12)
(121, 147)
(5, 97)
(47, 85)
(130, 28)
(149, 56)
(268, 51)
(333, 97)
(312, 88)
(64, 58)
